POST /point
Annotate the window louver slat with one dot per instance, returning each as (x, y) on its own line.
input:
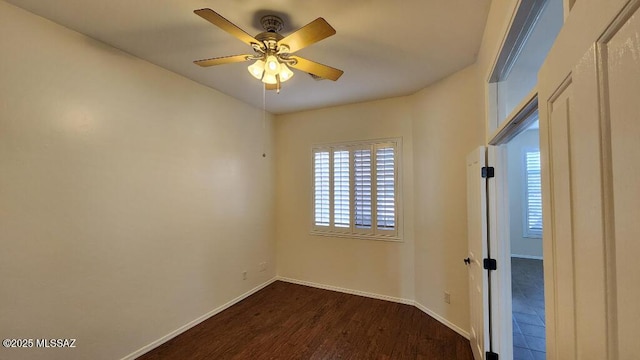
(341, 189)
(385, 184)
(362, 169)
(533, 193)
(321, 184)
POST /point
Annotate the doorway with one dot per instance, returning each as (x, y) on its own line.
(515, 204)
(525, 238)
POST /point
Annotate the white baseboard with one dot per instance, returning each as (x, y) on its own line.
(195, 322)
(442, 320)
(421, 307)
(346, 291)
(526, 257)
(221, 308)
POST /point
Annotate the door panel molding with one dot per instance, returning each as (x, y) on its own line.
(589, 133)
(615, 67)
(562, 313)
(548, 213)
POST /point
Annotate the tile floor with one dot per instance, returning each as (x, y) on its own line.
(527, 287)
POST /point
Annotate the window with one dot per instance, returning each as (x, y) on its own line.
(355, 189)
(533, 195)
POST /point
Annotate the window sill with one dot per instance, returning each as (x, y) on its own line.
(532, 236)
(356, 236)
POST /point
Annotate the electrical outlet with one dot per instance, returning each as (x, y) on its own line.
(263, 266)
(447, 297)
(244, 275)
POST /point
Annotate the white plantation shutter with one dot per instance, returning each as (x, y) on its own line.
(533, 211)
(362, 188)
(321, 188)
(341, 189)
(356, 190)
(385, 188)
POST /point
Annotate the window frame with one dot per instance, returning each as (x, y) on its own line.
(352, 231)
(526, 231)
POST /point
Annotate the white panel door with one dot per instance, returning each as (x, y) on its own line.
(477, 238)
(589, 91)
(622, 78)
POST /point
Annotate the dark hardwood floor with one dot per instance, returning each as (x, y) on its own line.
(288, 321)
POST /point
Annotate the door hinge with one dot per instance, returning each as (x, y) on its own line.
(488, 171)
(490, 264)
(490, 355)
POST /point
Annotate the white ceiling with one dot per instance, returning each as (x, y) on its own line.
(386, 48)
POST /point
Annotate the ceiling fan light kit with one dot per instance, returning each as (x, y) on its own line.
(257, 69)
(272, 51)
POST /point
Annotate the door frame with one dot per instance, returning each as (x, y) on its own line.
(500, 250)
(499, 226)
(494, 300)
(498, 135)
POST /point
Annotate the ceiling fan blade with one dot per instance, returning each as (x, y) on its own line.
(323, 71)
(271, 86)
(226, 25)
(309, 34)
(222, 60)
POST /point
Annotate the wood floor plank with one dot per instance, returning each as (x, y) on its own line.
(288, 321)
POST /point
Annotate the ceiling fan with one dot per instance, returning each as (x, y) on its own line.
(272, 51)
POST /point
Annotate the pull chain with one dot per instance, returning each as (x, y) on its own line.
(264, 120)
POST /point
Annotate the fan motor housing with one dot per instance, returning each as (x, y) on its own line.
(267, 36)
(272, 23)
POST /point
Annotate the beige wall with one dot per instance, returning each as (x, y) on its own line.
(440, 125)
(380, 267)
(447, 125)
(131, 199)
